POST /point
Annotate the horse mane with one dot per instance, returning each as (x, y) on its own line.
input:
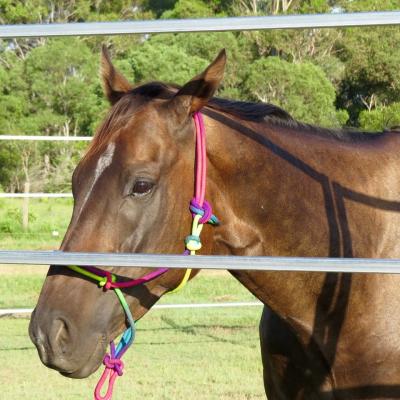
(274, 115)
(122, 111)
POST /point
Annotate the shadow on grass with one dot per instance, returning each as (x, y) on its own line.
(17, 348)
(200, 341)
(194, 330)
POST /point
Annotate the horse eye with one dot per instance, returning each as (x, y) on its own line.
(141, 188)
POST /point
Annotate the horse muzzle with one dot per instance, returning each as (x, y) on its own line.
(60, 347)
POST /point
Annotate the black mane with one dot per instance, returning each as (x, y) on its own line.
(257, 112)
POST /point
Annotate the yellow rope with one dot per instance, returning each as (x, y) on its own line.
(192, 246)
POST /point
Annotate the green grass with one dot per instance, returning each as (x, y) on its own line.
(19, 290)
(202, 353)
(20, 285)
(49, 219)
(178, 354)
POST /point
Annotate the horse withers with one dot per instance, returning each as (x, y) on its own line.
(280, 188)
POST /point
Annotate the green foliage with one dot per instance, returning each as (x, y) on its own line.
(9, 221)
(60, 74)
(50, 86)
(17, 12)
(206, 48)
(146, 63)
(48, 221)
(372, 61)
(301, 89)
(159, 6)
(312, 6)
(380, 118)
(371, 68)
(9, 163)
(369, 5)
(189, 9)
(53, 90)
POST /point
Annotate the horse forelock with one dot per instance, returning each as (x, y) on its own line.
(122, 112)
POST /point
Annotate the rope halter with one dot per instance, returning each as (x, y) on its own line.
(201, 214)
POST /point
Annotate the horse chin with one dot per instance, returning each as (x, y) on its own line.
(81, 367)
(90, 365)
(80, 373)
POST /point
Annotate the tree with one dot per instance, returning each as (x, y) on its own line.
(206, 47)
(371, 68)
(62, 77)
(189, 9)
(51, 86)
(147, 65)
(301, 89)
(380, 118)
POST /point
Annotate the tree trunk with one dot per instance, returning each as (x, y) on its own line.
(25, 207)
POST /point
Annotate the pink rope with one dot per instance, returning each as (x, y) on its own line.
(200, 191)
(113, 369)
(201, 164)
(113, 363)
(133, 282)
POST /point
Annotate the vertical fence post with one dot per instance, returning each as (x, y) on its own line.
(25, 207)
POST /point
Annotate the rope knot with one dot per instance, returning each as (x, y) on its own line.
(205, 211)
(193, 243)
(115, 364)
(107, 282)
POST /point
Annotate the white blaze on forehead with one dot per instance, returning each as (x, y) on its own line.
(103, 162)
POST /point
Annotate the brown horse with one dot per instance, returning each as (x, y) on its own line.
(280, 188)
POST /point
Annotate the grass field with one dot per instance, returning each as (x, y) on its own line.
(201, 353)
(48, 221)
(178, 354)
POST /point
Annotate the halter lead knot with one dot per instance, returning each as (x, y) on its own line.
(205, 212)
(193, 242)
(201, 214)
(107, 281)
(115, 364)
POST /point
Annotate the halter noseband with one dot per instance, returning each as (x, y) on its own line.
(201, 214)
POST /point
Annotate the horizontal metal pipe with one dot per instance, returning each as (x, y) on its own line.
(46, 138)
(203, 24)
(299, 264)
(17, 311)
(35, 195)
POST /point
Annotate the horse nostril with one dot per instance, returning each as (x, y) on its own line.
(60, 339)
(37, 338)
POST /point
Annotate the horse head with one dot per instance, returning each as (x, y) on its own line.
(131, 191)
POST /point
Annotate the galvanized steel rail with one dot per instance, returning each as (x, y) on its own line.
(56, 138)
(202, 25)
(34, 195)
(298, 264)
(332, 20)
(4, 312)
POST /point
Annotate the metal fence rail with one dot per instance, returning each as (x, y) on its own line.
(18, 311)
(299, 264)
(46, 138)
(203, 24)
(203, 262)
(35, 195)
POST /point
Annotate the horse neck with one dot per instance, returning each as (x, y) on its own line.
(266, 202)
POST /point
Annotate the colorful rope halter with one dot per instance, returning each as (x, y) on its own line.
(201, 214)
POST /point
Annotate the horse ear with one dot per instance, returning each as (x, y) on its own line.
(196, 93)
(115, 85)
